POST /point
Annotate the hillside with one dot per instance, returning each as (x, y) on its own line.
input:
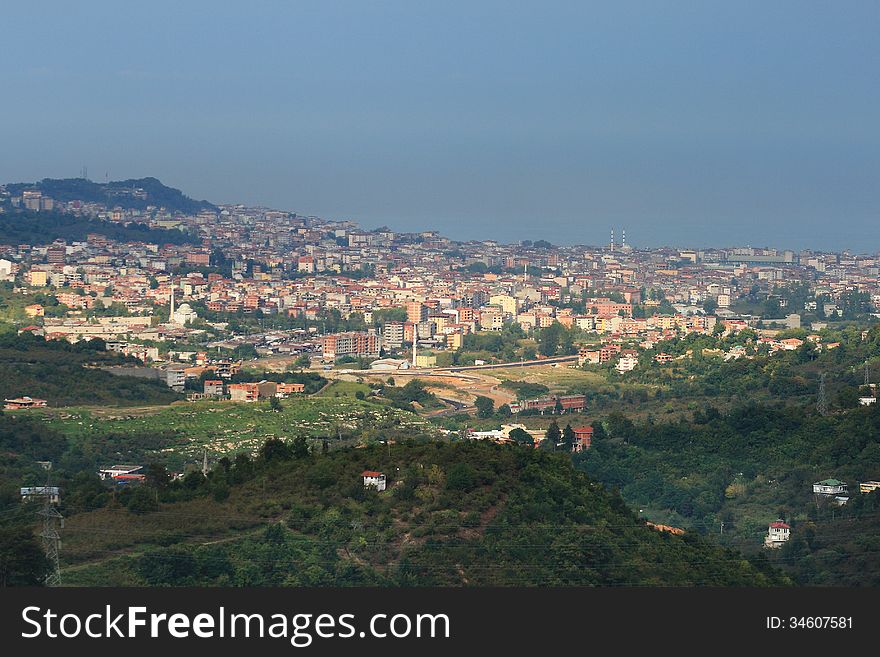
(37, 228)
(133, 193)
(65, 374)
(745, 467)
(456, 514)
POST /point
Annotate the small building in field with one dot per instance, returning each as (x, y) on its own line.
(373, 479)
(36, 493)
(23, 402)
(777, 533)
(115, 471)
(244, 392)
(283, 390)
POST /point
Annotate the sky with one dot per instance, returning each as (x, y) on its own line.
(688, 123)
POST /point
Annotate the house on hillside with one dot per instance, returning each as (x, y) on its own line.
(37, 493)
(869, 486)
(23, 402)
(583, 438)
(832, 489)
(777, 533)
(373, 479)
(115, 471)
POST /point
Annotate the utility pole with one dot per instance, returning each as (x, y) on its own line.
(822, 401)
(49, 534)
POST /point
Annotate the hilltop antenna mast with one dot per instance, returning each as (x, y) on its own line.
(49, 534)
(822, 402)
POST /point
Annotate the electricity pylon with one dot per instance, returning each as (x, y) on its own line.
(49, 534)
(822, 401)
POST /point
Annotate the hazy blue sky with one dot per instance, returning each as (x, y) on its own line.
(686, 122)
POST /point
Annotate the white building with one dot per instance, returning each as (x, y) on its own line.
(40, 493)
(626, 364)
(373, 479)
(830, 488)
(777, 534)
(184, 315)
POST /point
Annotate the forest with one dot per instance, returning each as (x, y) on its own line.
(36, 228)
(116, 193)
(741, 469)
(456, 514)
(67, 375)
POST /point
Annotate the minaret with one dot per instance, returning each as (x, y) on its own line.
(415, 341)
(624, 239)
(171, 312)
(612, 239)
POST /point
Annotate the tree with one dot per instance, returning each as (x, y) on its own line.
(504, 410)
(22, 561)
(461, 476)
(275, 404)
(156, 475)
(522, 437)
(548, 343)
(302, 361)
(552, 437)
(568, 438)
(485, 406)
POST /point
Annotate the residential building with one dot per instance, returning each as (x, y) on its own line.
(373, 479)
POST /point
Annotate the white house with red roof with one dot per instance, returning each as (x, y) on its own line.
(373, 479)
(777, 533)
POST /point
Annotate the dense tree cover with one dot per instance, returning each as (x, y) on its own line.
(26, 227)
(526, 390)
(22, 560)
(66, 374)
(836, 549)
(454, 514)
(791, 375)
(413, 392)
(485, 406)
(556, 340)
(505, 342)
(116, 193)
(744, 468)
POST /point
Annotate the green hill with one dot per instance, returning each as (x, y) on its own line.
(454, 514)
(65, 374)
(133, 193)
(36, 228)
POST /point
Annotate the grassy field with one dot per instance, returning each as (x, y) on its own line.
(342, 388)
(558, 379)
(227, 427)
